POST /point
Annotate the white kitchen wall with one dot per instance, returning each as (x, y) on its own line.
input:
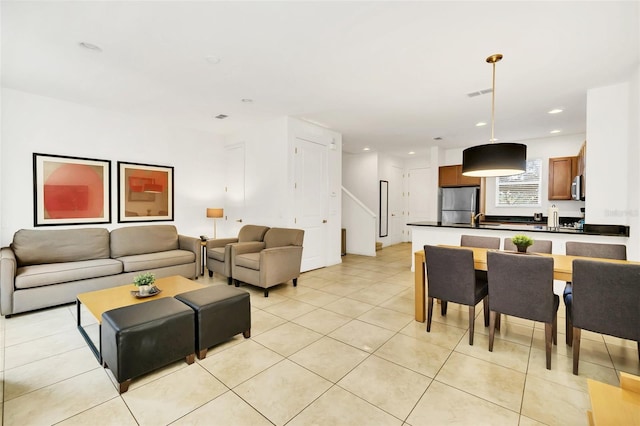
(557, 146)
(38, 124)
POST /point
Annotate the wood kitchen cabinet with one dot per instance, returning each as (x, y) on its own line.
(452, 176)
(562, 170)
(582, 169)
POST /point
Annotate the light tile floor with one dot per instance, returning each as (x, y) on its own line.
(342, 348)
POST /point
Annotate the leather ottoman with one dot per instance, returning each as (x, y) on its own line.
(140, 338)
(221, 312)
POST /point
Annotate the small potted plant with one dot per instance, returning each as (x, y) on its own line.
(144, 282)
(521, 242)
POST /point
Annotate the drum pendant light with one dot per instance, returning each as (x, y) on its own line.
(494, 159)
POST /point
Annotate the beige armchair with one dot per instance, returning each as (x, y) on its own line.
(272, 262)
(219, 249)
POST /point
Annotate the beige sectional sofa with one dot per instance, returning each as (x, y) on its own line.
(43, 268)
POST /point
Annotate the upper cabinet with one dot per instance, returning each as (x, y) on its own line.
(452, 176)
(562, 170)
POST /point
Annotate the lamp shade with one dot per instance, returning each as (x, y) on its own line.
(494, 159)
(217, 213)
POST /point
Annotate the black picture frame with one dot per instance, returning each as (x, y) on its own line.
(70, 190)
(383, 216)
(145, 192)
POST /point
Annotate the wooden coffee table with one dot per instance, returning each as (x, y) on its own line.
(100, 301)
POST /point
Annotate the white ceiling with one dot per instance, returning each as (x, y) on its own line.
(388, 75)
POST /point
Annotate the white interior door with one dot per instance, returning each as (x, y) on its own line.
(234, 189)
(311, 200)
(396, 206)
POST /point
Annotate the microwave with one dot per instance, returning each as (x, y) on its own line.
(576, 189)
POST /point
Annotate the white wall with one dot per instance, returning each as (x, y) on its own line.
(608, 129)
(38, 124)
(360, 177)
(557, 146)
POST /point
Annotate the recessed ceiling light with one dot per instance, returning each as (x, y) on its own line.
(221, 116)
(555, 131)
(246, 100)
(555, 111)
(214, 60)
(480, 124)
(411, 152)
(366, 148)
(90, 46)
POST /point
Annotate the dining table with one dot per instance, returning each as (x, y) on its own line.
(562, 270)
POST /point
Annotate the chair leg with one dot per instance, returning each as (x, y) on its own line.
(485, 308)
(492, 329)
(554, 329)
(472, 318)
(569, 328)
(638, 342)
(237, 283)
(576, 349)
(498, 317)
(548, 337)
(229, 280)
(210, 274)
(443, 307)
(429, 313)
(266, 292)
(295, 282)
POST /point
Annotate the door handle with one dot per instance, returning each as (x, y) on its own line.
(239, 220)
(324, 220)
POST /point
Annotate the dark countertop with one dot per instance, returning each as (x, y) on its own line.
(608, 230)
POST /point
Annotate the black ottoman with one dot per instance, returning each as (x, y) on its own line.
(221, 313)
(140, 338)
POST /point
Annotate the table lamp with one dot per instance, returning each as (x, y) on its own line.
(215, 214)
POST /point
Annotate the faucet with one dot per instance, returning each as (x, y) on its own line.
(475, 219)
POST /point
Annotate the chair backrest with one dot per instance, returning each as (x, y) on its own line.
(252, 233)
(538, 246)
(605, 251)
(606, 298)
(521, 285)
(280, 237)
(450, 274)
(482, 242)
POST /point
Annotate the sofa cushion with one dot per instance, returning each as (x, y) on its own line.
(133, 240)
(216, 253)
(37, 246)
(55, 273)
(249, 260)
(142, 262)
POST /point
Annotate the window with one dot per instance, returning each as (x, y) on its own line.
(521, 190)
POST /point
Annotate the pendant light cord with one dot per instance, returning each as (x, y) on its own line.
(493, 103)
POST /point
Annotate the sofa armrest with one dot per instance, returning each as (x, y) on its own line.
(280, 264)
(220, 242)
(246, 247)
(8, 266)
(192, 244)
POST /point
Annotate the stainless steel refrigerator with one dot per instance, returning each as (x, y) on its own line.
(457, 205)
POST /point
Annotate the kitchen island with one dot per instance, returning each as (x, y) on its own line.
(435, 233)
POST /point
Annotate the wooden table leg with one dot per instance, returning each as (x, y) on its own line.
(419, 286)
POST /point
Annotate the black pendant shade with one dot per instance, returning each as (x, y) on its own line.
(494, 159)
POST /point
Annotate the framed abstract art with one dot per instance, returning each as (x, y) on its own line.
(145, 192)
(70, 190)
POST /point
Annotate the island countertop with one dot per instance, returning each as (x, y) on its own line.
(603, 230)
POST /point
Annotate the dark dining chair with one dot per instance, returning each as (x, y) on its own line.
(522, 286)
(603, 251)
(606, 299)
(538, 246)
(480, 242)
(451, 278)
